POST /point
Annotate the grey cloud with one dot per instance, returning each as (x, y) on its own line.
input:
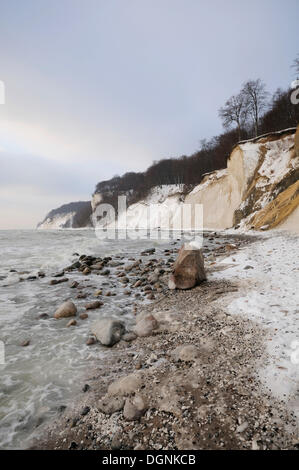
(117, 84)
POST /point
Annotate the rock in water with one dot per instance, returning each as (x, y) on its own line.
(188, 270)
(83, 316)
(53, 282)
(108, 331)
(42, 316)
(90, 341)
(67, 309)
(74, 285)
(93, 305)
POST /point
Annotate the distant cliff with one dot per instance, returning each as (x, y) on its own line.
(72, 215)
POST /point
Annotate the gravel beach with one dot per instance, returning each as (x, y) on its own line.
(186, 379)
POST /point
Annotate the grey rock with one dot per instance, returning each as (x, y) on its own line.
(111, 404)
(74, 284)
(126, 385)
(60, 274)
(116, 442)
(85, 411)
(130, 336)
(93, 305)
(53, 282)
(108, 331)
(134, 408)
(145, 326)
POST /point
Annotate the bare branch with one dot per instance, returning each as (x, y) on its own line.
(234, 112)
(257, 100)
(296, 64)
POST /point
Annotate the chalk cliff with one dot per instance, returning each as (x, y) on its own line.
(72, 215)
(258, 190)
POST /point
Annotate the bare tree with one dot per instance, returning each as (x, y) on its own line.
(296, 64)
(235, 112)
(256, 97)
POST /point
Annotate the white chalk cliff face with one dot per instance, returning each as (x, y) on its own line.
(158, 210)
(72, 215)
(58, 221)
(259, 189)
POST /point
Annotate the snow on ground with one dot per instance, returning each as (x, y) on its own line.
(277, 161)
(251, 157)
(268, 273)
(209, 179)
(159, 193)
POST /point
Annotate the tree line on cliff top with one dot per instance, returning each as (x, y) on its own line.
(249, 113)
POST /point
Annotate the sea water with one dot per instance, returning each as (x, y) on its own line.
(35, 381)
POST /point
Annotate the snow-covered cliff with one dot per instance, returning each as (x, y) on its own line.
(72, 215)
(260, 174)
(157, 210)
(259, 189)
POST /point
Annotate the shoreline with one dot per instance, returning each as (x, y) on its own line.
(207, 396)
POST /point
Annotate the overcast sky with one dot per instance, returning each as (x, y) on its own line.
(95, 88)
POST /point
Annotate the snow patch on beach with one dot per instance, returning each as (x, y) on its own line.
(271, 268)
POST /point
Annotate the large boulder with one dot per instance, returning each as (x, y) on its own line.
(188, 270)
(108, 331)
(67, 309)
